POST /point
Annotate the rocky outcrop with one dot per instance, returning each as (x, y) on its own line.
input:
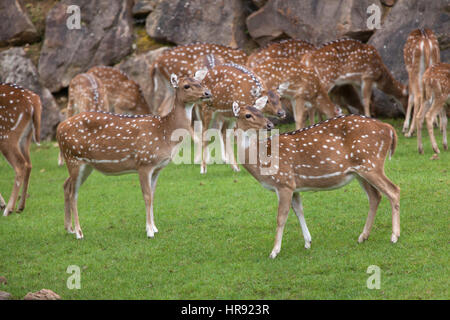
(315, 21)
(44, 294)
(184, 22)
(16, 27)
(15, 67)
(5, 295)
(105, 37)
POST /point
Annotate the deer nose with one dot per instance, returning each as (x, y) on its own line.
(269, 125)
(281, 114)
(207, 94)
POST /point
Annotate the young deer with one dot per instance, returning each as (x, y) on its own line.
(124, 95)
(20, 120)
(348, 61)
(185, 61)
(436, 95)
(86, 93)
(421, 51)
(234, 83)
(291, 48)
(297, 83)
(117, 144)
(325, 156)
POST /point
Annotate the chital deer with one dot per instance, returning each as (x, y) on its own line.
(20, 120)
(291, 48)
(325, 156)
(185, 61)
(117, 144)
(297, 83)
(234, 83)
(421, 51)
(124, 95)
(348, 61)
(436, 95)
(86, 93)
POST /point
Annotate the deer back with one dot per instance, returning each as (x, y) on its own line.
(421, 50)
(437, 81)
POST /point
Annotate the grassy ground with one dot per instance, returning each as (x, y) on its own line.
(216, 233)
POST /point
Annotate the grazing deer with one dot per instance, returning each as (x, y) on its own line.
(20, 120)
(290, 48)
(234, 83)
(185, 61)
(436, 95)
(325, 156)
(297, 83)
(124, 95)
(421, 51)
(348, 61)
(117, 144)
(86, 93)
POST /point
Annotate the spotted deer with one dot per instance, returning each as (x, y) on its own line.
(86, 93)
(324, 156)
(124, 94)
(421, 51)
(299, 84)
(20, 121)
(186, 60)
(290, 48)
(436, 97)
(230, 83)
(348, 61)
(117, 144)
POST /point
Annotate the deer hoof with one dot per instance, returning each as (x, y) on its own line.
(394, 238)
(7, 212)
(308, 245)
(362, 238)
(79, 235)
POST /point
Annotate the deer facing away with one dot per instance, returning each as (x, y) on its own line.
(116, 144)
(20, 120)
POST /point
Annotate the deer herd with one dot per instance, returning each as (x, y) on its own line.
(111, 128)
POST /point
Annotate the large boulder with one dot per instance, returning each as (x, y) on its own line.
(43, 294)
(5, 295)
(105, 37)
(15, 67)
(137, 67)
(311, 20)
(16, 27)
(184, 22)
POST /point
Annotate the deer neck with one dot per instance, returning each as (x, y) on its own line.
(179, 117)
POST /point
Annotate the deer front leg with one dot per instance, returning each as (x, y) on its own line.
(419, 123)
(78, 174)
(25, 149)
(15, 158)
(145, 178)
(298, 209)
(284, 205)
(68, 185)
(229, 139)
(154, 180)
(408, 113)
(366, 93)
(430, 116)
(298, 106)
(2, 203)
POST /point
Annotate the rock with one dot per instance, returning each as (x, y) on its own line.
(105, 37)
(185, 22)
(315, 21)
(15, 67)
(259, 3)
(137, 67)
(44, 294)
(5, 295)
(143, 7)
(16, 27)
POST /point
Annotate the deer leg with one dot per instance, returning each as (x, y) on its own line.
(25, 149)
(68, 190)
(430, 116)
(60, 159)
(443, 125)
(153, 181)
(207, 120)
(374, 197)
(17, 161)
(378, 180)
(2, 203)
(231, 159)
(408, 112)
(420, 116)
(312, 115)
(145, 178)
(416, 108)
(298, 209)
(298, 107)
(366, 94)
(284, 205)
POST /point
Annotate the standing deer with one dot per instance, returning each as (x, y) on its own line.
(436, 95)
(234, 83)
(297, 83)
(421, 51)
(20, 120)
(185, 61)
(117, 144)
(348, 61)
(325, 156)
(86, 93)
(124, 95)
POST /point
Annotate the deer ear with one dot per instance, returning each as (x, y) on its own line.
(282, 88)
(174, 80)
(200, 74)
(261, 102)
(236, 109)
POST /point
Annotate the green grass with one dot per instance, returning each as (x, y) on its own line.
(216, 233)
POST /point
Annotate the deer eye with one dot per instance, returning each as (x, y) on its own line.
(186, 86)
(248, 115)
